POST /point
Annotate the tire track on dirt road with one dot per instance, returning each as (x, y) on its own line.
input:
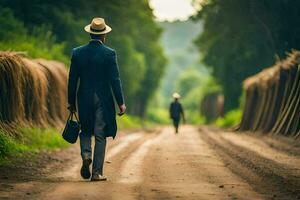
(282, 143)
(292, 163)
(267, 176)
(131, 172)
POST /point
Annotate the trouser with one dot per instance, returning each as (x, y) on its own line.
(100, 140)
(176, 123)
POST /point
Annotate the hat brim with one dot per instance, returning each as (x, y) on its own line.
(87, 29)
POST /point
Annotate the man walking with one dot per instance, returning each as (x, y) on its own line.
(94, 67)
(176, 111)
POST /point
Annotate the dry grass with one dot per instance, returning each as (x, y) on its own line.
(57, 90)
(11, 87)
(31, 91)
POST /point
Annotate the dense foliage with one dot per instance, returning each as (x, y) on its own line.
(135, 36)
(242, 37)
(39, 43)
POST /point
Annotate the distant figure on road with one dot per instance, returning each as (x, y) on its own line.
(94, 67)
(176, 111)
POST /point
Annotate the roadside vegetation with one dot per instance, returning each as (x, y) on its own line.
(37, 43)
(29, 140)
(231, 119)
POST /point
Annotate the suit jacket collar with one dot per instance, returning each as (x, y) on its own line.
(95, 41)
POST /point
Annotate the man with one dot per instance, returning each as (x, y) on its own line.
(176, 111)
(94, 67)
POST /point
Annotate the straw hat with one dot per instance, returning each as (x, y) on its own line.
(97, 27)
(176, 95)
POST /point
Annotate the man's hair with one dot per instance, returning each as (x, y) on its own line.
(97, 37)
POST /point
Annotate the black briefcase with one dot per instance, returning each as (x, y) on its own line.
(72, 129)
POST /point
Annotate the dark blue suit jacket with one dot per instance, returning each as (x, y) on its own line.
(176, 110)
(94, 68)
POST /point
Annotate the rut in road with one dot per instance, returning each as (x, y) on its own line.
(271, 172)
(205, 164)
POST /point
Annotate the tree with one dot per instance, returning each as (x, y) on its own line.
(242, 37)
(189, 80)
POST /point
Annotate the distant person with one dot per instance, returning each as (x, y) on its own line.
(176, 111)
(94, 67)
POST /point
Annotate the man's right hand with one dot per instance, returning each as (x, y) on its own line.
(122, 110)
(72, 108)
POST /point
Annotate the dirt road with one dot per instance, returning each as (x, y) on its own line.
(196, 164)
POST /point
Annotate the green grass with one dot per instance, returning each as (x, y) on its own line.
(39, 139)
(31, 140)
(158, 116)
(8, 146)
(152, 119)
(193, 117)
(232, 118)
(129, 122)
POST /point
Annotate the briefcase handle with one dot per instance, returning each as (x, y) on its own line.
(71, 116)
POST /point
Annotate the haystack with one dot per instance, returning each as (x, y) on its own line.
(32, 92)
(273, 99)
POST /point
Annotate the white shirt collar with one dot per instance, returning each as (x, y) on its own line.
(97, 40)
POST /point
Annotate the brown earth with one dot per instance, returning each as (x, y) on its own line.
(203, 163)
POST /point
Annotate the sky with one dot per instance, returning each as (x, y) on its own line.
(171, 10)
